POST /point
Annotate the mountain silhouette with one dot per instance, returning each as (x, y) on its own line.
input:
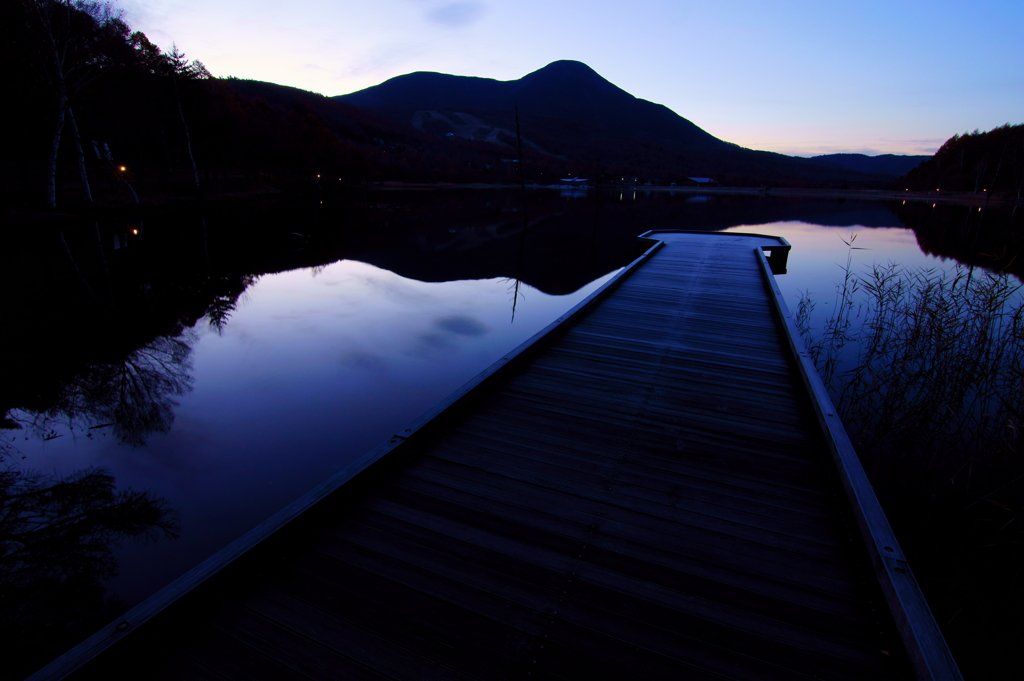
(569, 112)
(568, 90)
(886, 164)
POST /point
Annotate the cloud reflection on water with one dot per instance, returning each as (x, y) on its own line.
(463, 326)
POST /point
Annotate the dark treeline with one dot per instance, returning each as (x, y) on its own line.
(976, 162)
(93, 95)
(96, 96)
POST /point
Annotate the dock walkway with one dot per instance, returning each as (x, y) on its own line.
(645, 492)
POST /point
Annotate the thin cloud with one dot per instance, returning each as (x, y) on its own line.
(457, 14)
(384, 58)
(921, 146)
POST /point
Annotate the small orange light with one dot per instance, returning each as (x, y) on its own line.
(135, 231)
(122, 168)
(318, 177)
(933, 205)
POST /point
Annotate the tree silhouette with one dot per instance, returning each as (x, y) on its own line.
(183, 70)
(72, 32)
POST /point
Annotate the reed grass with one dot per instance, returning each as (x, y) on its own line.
(926, 368)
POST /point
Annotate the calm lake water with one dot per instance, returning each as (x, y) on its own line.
(303, 336)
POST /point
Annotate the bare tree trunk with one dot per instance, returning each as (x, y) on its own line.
(188, 138)
(980, 174)
(65, 250)
(51, 164)
(995, 175)
(81, 155)
(1020, 185)
(97, 242)
(131, 189)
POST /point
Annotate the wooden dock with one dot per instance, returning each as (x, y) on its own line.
(654, 487)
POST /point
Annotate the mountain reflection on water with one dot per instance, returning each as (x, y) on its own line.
(135, 353)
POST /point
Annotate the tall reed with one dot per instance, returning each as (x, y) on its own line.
(926, 368)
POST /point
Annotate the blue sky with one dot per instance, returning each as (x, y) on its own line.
(798, 77)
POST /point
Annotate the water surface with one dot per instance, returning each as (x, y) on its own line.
(229, 362)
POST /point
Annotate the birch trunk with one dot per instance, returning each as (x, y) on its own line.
(51, 163)
(81, 155)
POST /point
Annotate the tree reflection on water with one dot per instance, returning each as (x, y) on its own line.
(57, 541)
(134, 397)
(58, 535)
(78, 364)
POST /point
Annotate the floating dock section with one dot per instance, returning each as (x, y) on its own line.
(654, 487)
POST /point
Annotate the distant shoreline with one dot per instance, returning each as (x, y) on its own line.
(967, 199)
(24, 216)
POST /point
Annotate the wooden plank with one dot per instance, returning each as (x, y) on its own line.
(617, 527)
(429, 626)
(233, 659)
(700, 543)
(688, 480)
(722, 426)
(674, 493)
(716, 456)
(296, 650)
(518, 603)
(507, 562)
(307, 640)
(609, 637)
(704, 445)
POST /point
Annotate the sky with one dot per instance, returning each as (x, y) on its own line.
(793, 76)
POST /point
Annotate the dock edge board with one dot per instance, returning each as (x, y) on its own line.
(925, 645)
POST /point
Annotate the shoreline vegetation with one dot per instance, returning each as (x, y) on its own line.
(926, 370)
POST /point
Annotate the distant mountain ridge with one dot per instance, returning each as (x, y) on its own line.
(886, 164)
(568, 90)
(574, 118)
